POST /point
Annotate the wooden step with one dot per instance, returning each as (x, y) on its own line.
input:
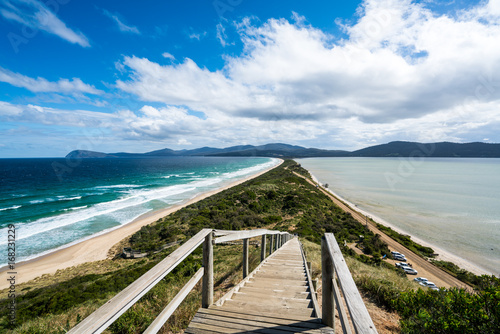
(261, 307)
(223, 321)
(290, 291)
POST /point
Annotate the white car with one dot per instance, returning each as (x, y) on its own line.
(420, 279)
(402, 264)
(409, 270)
(399, 257)
(429, 285)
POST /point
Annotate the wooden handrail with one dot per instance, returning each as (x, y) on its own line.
(103, 317)
(162, 318)
(317, 311)
(333, 262)
(226, 236)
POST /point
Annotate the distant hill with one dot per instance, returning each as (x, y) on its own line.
(443, 149)
(278, 150)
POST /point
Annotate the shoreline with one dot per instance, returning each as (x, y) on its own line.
(443, 255)
(97, 248)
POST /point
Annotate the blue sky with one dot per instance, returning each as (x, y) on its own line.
(138, 76)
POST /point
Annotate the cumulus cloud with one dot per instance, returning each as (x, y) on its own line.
(402, 72)
(37, 16)
(400, 62)
(73, 86)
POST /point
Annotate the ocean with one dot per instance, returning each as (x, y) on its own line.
(451, 203)
(54, 203)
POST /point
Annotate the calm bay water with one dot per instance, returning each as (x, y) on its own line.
(452, 203)
(53, 205)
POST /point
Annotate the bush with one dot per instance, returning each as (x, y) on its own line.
(453, 311)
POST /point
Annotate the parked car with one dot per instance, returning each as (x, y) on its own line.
(420, 279)
(409, 270)
(399, 264)
(399, 257)
(429, 285)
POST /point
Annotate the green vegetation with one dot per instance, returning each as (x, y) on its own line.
(478, 282)
(277, 200)
(406, 241)
(453, 311)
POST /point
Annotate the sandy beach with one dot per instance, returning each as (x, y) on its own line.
(97, 248)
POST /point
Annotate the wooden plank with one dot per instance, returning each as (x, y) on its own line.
(309, 323)
(316, 308)
(234, 304)
(270, 315)
(104, 316)
(205, 328)
(298, 281)
(328, 302)
(219, 233)
(359, 314)
(284, 277)
(245, 234)
(263, 293)
(287, 302)
(344, 320)
(160, 320)
(249, 325)
(191, 330)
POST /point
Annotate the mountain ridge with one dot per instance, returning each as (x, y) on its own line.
(280, 150)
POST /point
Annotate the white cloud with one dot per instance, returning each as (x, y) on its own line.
(73, 86)
(37, 16)
(121, 26)
(183, 142)
(221, 34)
(195, 35)
(168, 55)
(401, 64)
(51, 116)
(402, 73)
(7, 109)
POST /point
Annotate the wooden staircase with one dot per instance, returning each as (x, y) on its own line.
(274, 298)
(277, 297)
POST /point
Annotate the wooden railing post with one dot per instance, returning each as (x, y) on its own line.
(263, 248)
(271, 244)
(328, 303)
(207, 297)
(245, 258)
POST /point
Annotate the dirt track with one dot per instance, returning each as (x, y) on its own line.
(424, 268)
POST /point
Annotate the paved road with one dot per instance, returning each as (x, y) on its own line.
(424, 267)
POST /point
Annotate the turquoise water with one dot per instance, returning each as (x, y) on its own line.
(54, 203)
(451, 203)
